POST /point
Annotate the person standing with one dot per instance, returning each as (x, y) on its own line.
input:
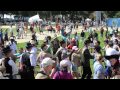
(99, 72)
(75, 60)
(55, 44)
(59, 51)
(82, 35)
(113, 57)
(13, 45)
(109, 50)
(86, 61)
(46, 68)
(33, 55)
(26, 69)
(65, 65)
(101, 32)
(43, 54)
(1, 37)
(11, 68)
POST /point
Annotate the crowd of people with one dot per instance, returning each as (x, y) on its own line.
(61, 59)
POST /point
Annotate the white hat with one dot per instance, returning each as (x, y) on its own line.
(47, 61)
(111, 52)
(64, 63)
(75, 48)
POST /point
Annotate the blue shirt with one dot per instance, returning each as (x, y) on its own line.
(99, 72)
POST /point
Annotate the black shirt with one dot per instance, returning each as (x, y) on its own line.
(82, 34)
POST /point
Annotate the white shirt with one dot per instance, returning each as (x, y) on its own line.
(13, 47)
(98, 71)
(111, 51)
(33, 56)
(107, 62)
(14, 67)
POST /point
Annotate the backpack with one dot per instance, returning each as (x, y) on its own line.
(26, 61)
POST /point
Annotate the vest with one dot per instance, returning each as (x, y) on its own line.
(26, 61)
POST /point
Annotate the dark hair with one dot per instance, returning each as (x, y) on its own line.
(86, 42)
(43, 45)
(97, 49)
(98, 42)
(62, 42)
(116, 41)
(110, 43)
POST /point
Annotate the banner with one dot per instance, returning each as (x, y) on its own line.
(113, 22)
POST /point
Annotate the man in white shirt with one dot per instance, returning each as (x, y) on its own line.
(33, 55)
(109, 51)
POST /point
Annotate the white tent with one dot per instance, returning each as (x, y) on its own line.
(34, 19)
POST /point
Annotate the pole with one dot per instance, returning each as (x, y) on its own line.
(98, 18)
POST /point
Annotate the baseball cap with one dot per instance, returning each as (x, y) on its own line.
(47, 61)
(75, 48)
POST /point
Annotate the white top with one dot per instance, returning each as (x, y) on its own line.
(14, 67)
(111, 51)
(13, 47)
(33, 56)
(98, 71)
(107, 62)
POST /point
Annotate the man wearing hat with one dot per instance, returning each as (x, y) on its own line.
(46, 69)
(26, 68)
(86, 56)
(113, 57)
(33, 55)
(109, 51)
(11, 68)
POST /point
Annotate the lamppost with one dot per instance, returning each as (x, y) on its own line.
(98, 18)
